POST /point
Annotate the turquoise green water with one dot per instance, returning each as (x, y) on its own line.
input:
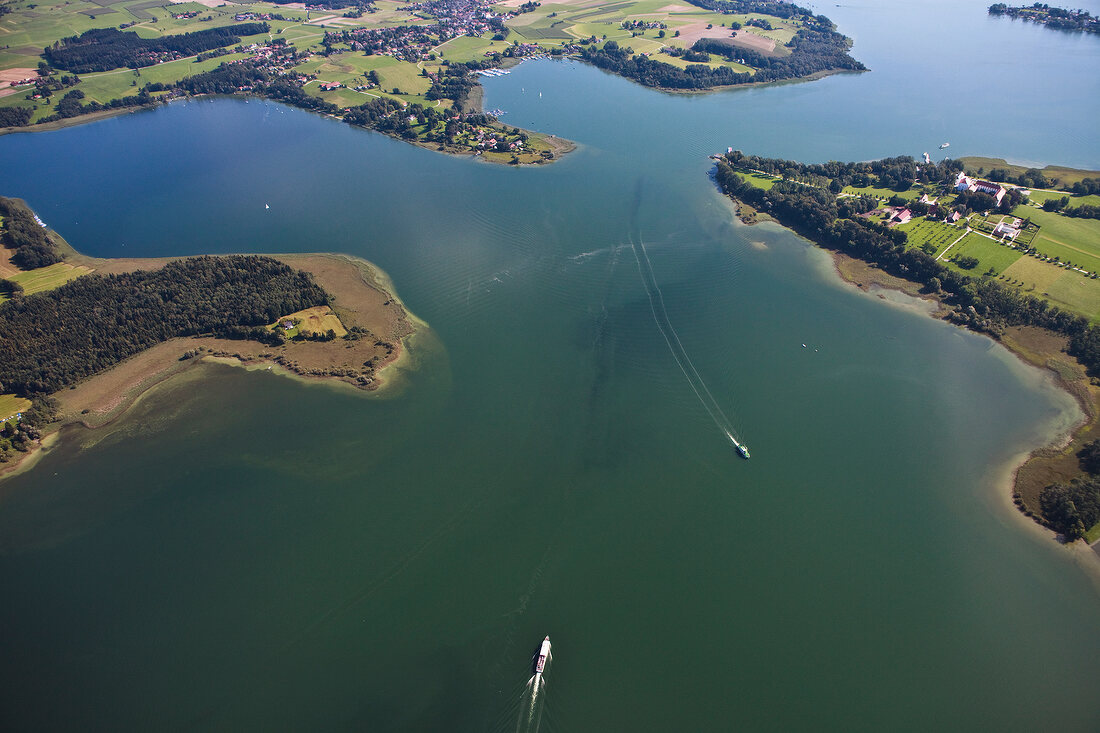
(247, 552)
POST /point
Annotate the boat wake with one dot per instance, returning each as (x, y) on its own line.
(676, 347)
(672, 338)
(530, 713)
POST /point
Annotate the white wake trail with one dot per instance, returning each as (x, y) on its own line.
(679, 353)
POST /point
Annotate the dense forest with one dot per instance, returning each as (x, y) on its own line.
(52, 339)
(104, 49)
(814, 49)
(30, 243)
(15, 116)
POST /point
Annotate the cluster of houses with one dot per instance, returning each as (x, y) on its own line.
(413, 43)
(252, 16)
(489, 139)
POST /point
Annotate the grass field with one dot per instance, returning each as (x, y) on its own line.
(317, 320)
(10, 405)
(47, 278)
(882, 193)
(759, 180)
(991, 255)
(1071, 240)
(1042, 196)
(1065, 288)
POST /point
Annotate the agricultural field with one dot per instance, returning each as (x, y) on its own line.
(47, 278)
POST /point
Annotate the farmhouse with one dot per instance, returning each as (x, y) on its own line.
(903, 216)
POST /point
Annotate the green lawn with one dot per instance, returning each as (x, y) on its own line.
(1065, 288)
(991, 255)
(1071, 240)
(883, 193)
(1040, 197)
(759, 180)
(10, 405)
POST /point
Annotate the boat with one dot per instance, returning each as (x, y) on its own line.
(741, 447)
(544, 654)
(945, 145)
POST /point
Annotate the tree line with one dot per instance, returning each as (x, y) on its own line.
(30, 243)
(55, 338)
(103, 49)
(774, 8)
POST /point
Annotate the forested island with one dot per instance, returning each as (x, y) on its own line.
(81, 338)
(913, 220)
(1058, 18)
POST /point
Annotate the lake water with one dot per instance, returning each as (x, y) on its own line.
(244, 552)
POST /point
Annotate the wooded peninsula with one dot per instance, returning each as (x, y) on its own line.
(928, 228)
(81, 338)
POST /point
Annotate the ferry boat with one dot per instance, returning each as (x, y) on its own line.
(743, 450)
(544, 653)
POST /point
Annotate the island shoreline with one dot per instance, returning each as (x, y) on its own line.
(855, 273)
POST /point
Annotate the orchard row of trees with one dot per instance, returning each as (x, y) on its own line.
(30, 243)
(103, 49)
(52, 339)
